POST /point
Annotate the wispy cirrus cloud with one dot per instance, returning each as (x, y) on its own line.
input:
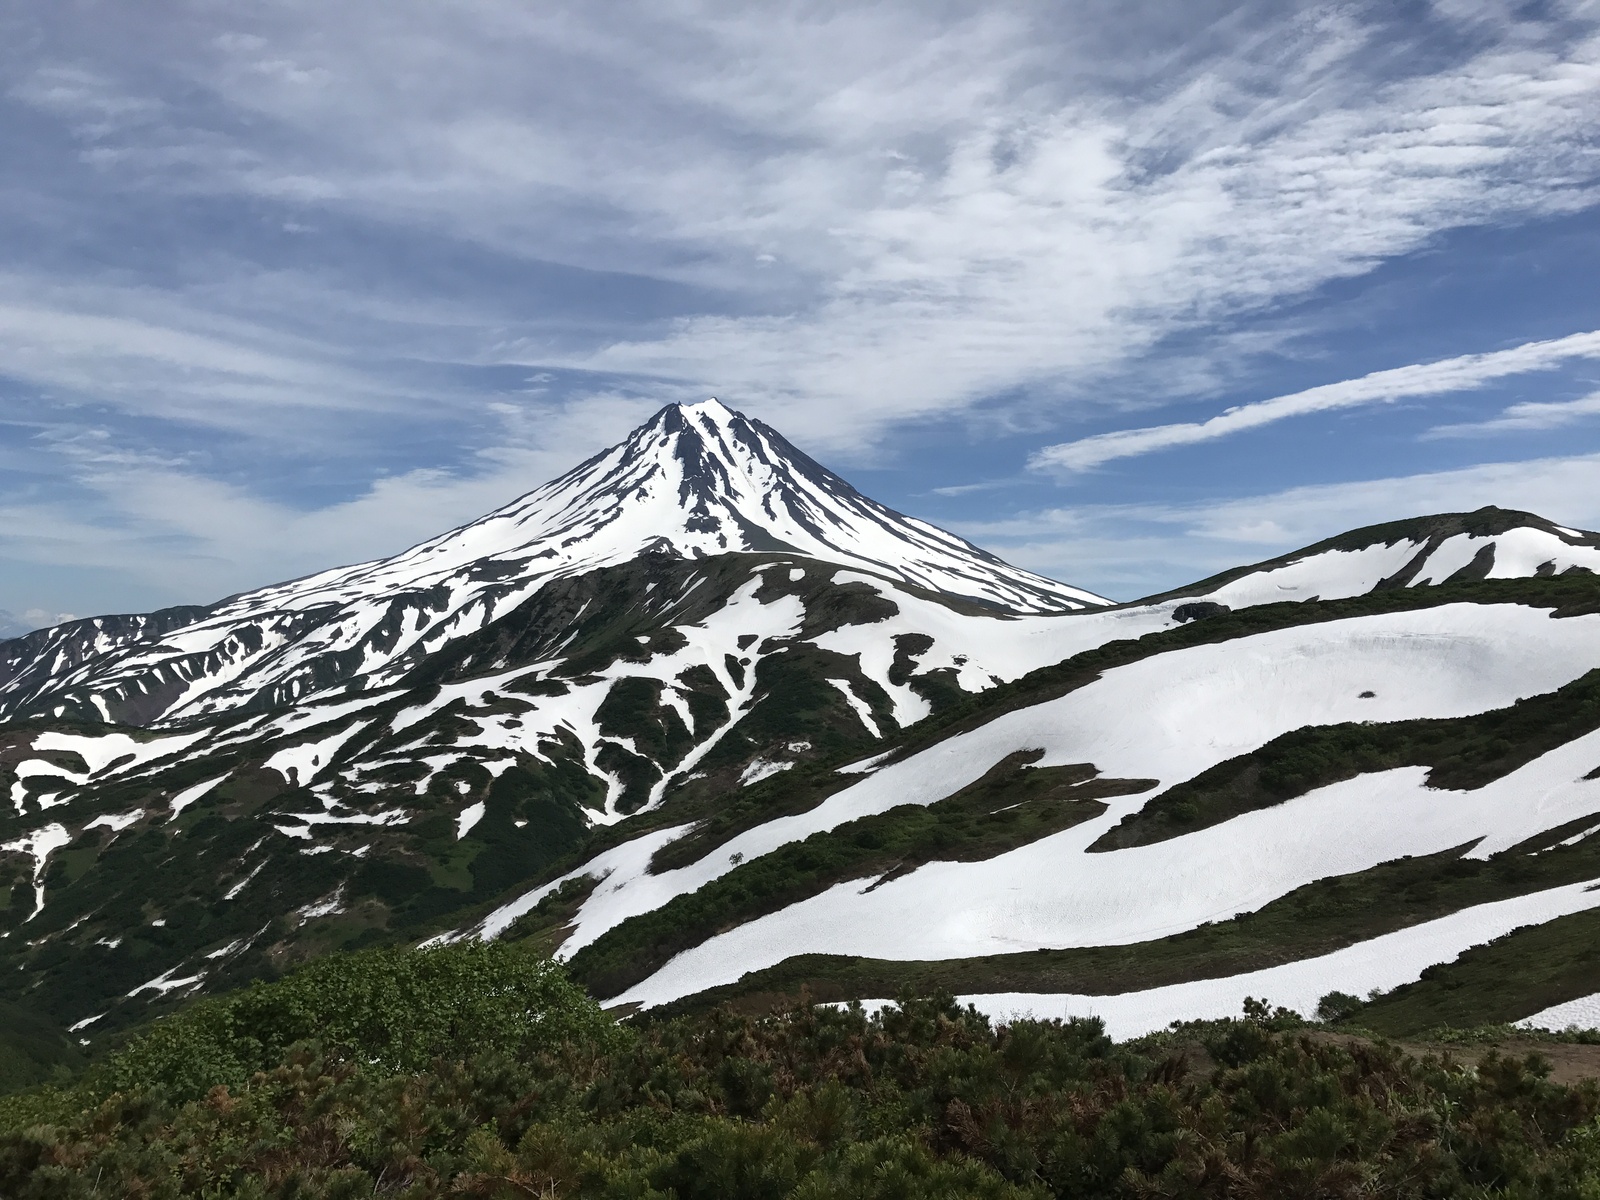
(1461, 374)
(273, 238)
(924, 207)
(1047, 248)
(1530, 414)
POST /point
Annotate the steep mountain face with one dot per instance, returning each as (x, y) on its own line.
(694, 481)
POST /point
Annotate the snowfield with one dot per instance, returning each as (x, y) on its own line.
(1331, 575)
(1582, 1013)
(1168, 717)
(1518, 553)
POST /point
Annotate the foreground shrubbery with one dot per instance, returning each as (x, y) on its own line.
(389, 1011)
(926, 1101)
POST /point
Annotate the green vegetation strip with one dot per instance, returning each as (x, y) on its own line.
(1515, 976)
(1012, 805)
(548, 923)
(1316, 919)
(920, 1102)
(1568, 595)
(1463, 753)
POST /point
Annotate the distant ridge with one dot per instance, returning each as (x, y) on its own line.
(1489, 543)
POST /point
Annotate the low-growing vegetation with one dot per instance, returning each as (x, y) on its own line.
(922, 1101)
(546, 925)
(1525, 971)
(393, 1010)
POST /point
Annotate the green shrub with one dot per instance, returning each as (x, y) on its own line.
(1336, 1006)
(923, 1101)
(391, 1009)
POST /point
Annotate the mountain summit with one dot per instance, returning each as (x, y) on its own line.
(701, 479)
(692, 482)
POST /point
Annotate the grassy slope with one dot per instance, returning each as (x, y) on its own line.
(1512, 977)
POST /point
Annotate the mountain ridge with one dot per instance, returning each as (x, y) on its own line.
(1488, 542)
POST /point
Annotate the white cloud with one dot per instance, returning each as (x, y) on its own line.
(956, 202)
(1529, 415)
(1039, 253)
(195, 539)
(16, 624)
(1460, 374)
(871, 215)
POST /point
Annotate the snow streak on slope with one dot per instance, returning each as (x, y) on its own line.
(694, 481)
(1582, 1013)
(1382, 962)
(1331, 575)
(1168, 717)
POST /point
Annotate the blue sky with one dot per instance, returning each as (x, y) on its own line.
(293, 284)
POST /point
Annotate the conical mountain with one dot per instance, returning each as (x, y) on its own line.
(693, 481)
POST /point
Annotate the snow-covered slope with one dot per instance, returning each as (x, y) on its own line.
(663, 683)
(1167, 717)
(694, 481)
(699, 648)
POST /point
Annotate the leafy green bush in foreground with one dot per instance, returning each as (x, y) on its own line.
(390, 1011)
(482, 1072)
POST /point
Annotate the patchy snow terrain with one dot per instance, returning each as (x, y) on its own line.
(702, 625)
(1489, 544)
(1382, 963)
(1171, 717)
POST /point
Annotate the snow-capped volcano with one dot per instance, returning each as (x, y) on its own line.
(692, 482)
(695, 480)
